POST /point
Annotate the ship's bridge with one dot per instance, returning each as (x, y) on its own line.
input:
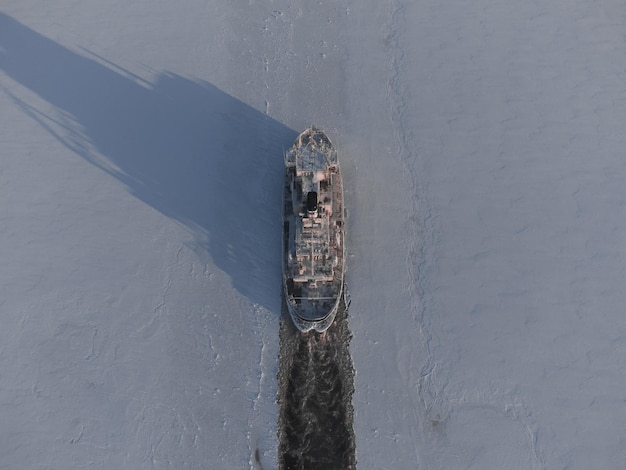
(312, 156)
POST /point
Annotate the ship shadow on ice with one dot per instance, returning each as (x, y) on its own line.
(213, 164)
(316, 384)
(182, 146)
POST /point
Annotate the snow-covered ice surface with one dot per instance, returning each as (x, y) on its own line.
(140, 247)
(481, 146)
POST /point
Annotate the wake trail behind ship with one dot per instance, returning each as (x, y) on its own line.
(316, 383)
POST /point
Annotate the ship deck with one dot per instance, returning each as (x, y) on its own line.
(313, 246)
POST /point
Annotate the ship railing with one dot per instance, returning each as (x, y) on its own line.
(314, 298)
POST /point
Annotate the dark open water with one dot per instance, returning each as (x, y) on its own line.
(316, 383)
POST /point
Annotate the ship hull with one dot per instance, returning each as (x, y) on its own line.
(313, 223)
